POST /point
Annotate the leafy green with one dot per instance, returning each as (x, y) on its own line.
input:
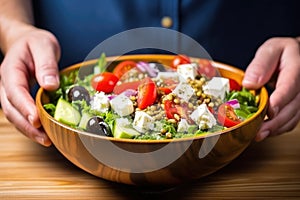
(245, 97)
(169, 127)
(247, 102)
(192, 129)
(101, 64)
(86, 82)
(81, 105)
(243, 114)
(110, 118)
(215, 128)
(50, 108)
(150, 136)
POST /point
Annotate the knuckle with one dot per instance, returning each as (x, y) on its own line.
(49, 66)
(27, 130)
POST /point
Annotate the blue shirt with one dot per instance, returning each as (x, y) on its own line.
(230, 31)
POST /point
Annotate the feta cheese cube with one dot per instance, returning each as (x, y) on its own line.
(158, 125)
(123, 122)
(168, 75)
(100, 102)
(183, 125)
(184, 91)
(203, 117)
(143, 122)
(217, 87)
(187, 71)
(122, 105)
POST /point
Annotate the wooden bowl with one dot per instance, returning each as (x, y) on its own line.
(167, 162)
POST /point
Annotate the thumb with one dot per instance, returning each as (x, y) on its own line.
(263, 65)
(46, 53)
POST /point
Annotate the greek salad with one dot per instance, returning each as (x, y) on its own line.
(151, 101)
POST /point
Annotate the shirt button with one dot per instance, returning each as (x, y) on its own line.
(166, 22)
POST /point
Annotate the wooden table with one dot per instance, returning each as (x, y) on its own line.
(270, 169)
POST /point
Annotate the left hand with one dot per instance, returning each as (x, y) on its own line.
(277, 58)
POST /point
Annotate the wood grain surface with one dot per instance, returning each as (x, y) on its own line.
(266, 170)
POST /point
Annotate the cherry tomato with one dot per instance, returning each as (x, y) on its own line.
(147, 93)
(170, 109)
(127, 85)
(211, 110)
(206, 68)
(179, 60)
(104, 82)
(227, 116)
(123, 67)
(234, 86)
(165, 90)
(182, 110)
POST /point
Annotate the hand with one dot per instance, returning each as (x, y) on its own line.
(33, 55)
(277, 57)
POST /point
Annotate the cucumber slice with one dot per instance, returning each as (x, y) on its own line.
(122, 130)
(66, 113)
(84, 119)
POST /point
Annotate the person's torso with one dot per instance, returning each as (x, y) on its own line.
(230, 31)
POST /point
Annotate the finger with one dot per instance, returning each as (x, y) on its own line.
(280, 54)
(21, 123)
(290, 125)
(284, 121)
(46, 53)
(14, 80)
(263, 65)
(287, 85)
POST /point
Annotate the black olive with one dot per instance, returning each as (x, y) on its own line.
(78, 93)
(98, 126)
(160, 67)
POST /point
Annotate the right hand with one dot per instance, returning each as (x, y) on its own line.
(32, 56)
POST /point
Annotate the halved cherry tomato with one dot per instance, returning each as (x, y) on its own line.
(211, 110)
(170, 109)
(164, 90)
(179, 60)
(147, 93)
(104, 82)
(206, 68)
(234, 86)
(227, 116)
(127, 85)
(182, 110)
(123, 67)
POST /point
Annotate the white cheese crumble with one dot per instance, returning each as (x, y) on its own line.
(122, 105)
(100, 102)
(143, 122)
(168, 75)
(187, 71)
(203, 117)
(123, 122)
(183, 125)
(184, 91)
(217, 87)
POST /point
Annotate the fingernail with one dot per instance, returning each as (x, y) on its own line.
(50, 80)
(246, 81)
(34, 123)
(251, 79)
(40, 140)
(262, 135)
